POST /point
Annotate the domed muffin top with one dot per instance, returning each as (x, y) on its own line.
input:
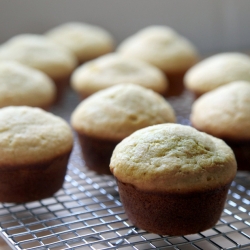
(218, 70)
(40, 53)
(118, 111)
(112, 69)
(224, 112)
(86, 41)
(22, 85)
(162, 47)
(173, 158)
(30, 135)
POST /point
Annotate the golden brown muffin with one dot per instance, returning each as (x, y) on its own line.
(216, 71)
(21, 85)
(112, 69)
(164, 48)
(84, 40)
(41, 53)
(108, 116)
(35, 147)
(172, 178)
(225, 113)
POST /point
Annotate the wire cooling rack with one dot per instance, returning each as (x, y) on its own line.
(87, 213)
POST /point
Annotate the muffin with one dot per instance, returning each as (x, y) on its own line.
(225, 113)
(41, 53)
(85, 41)
(21, 85)
(108, 116)
(112, 69)
(164, 48)
(173, 179)
(216, 71)
(35, 147)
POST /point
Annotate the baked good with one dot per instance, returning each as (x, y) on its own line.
(225, 113)
(35, 147)
(39, 52)
(173, 179)
(21, 85)
(112, 69)
(84, 40)
(164, 48)
(108, 116)
(217, 70)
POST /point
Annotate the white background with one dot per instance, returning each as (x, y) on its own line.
(212, 25)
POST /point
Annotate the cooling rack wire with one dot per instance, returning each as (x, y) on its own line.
(87, 213)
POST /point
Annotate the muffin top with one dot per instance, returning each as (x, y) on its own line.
(30, 135)
(118, 111)
(22, 85)
(162, 47)
(224, 112)
(173, 158)
(40, 53)
(84, 40)
(114, 68)
(218, 70)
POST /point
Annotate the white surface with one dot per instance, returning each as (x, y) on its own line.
(212, 25)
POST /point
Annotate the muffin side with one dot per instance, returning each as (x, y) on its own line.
(172, 213)
(30, 182)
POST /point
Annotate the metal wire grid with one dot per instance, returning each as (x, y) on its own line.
(87, 214)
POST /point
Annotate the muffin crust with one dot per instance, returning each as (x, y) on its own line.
(30, 135)
(85, 41)
(40, 53)
(112, 69)
(173, 158)
(22, 85)
(224, 112)
(216, 71)
(161, 46)
(116, 112)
